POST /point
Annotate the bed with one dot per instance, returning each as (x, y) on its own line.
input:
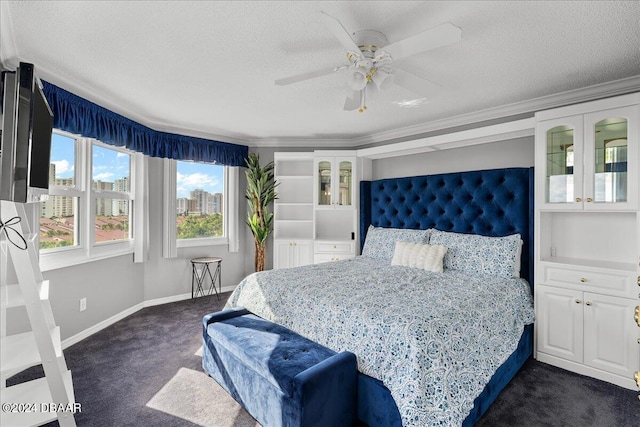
(434, 347)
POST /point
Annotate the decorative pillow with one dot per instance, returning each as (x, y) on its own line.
(498, 256)
(380, 243)
(418, 255)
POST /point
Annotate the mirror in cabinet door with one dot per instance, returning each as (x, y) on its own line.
(345, 181)
(324, 174)
(611, 159)
(334, 182)
(559, 152)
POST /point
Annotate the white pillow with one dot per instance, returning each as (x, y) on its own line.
(473, 253)
(418, 255)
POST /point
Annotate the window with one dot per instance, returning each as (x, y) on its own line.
(199, 200)
(200, 206)
(59, 214)
(110, 183)
(88, 214)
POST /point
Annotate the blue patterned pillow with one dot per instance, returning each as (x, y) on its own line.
(498, 256)
(380, 242)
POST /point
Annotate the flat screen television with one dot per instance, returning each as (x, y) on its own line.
(25, 141)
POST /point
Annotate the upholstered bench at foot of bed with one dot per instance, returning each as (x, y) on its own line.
(278, 376)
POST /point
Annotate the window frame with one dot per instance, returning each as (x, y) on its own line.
(171, 242)
(87, 249)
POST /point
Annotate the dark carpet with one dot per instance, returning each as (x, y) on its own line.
(145, 370)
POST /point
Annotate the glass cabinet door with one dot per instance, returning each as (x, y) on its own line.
(345, 180)
(610, 173)
(559, 151)
(324, 183)
(560, 164)
(611, 159)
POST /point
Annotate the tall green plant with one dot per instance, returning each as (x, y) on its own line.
(261, 192)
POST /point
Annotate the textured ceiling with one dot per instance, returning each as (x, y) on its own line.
(208, 68)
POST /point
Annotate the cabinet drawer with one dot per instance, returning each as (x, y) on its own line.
(333, 247)
(320, 257)
(612, 282)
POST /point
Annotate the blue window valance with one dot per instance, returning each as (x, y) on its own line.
(77, 115)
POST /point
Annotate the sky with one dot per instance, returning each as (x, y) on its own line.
(110, 165)
(192, 175)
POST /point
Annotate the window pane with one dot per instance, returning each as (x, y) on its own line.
(58, 222)
(112, 219)
(61, 168)
(111, 170)
(200, 200)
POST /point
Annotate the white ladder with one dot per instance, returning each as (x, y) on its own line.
(40, 401)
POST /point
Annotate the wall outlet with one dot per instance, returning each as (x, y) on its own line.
(83, 304)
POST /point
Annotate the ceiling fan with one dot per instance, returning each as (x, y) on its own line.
(370, 61)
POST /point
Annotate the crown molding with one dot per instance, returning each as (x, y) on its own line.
(531, 106)
(314, 143)
(410, 133)
(481, 135)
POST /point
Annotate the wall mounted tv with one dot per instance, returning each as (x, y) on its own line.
(25, 141)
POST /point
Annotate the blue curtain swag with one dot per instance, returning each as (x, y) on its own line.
(74, 114)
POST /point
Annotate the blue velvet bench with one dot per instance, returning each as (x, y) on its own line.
(278, 376)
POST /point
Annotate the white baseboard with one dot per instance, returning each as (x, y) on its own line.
(100, 326)
(115, 318)
(166, 300)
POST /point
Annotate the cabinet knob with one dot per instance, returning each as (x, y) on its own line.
(589, 199)
(636, 376)
(637, 315)
(578, 301)
(588, 303)
(578, 199)
(583, 279)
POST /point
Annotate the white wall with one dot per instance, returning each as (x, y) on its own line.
(513, 153)
(111, 286)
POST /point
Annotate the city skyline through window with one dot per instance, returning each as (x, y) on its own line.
(199, 200)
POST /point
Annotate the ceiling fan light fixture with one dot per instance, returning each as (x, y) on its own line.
(383, 79)
(357, 80)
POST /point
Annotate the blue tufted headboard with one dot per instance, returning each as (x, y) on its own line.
(494, 202)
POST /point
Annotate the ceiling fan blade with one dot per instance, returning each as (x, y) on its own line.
(352, 100)
(305, 76)
(340, 32)
(415, 84)
(441, 35)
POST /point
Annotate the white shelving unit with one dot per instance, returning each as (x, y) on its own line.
(293, 223)
(587, 250)
(39, 346)
(316, 211)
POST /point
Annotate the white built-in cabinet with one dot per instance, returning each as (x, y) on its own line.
(316, 210)
(292, 253)
(587, 245)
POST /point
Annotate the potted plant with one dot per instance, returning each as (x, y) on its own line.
(261, 192)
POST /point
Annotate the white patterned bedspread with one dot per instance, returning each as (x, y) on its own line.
(434, 339)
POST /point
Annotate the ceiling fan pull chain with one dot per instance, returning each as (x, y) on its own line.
(363, 95)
